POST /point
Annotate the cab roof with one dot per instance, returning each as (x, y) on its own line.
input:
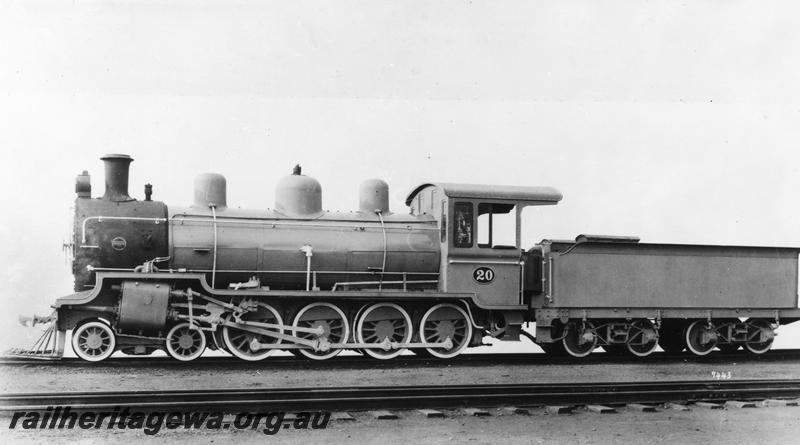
(534, 195)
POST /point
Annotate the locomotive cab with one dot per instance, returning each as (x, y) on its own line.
(480, 237)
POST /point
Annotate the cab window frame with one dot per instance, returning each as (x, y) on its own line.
(487, 225)
(463, 224)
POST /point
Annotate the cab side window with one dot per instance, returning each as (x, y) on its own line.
(497, 226)
(463, 222)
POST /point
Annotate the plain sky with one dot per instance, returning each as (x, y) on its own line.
(676, 122)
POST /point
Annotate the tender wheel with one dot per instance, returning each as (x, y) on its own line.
(759, 336)
(445, 321)
(642, 338)
(185, 343)
(580, 340)
(93, 341)
(334, 325)
(238, 341)
(671, 337)
(700, 338)
(380, 322)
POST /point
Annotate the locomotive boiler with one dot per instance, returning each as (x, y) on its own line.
(275, 246)
(435, 280)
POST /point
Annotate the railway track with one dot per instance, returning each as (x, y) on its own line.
(359, 361)
(399, 397)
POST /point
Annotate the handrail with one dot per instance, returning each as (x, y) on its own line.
(404, 283)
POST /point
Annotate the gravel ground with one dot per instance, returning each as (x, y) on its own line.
(760, 425)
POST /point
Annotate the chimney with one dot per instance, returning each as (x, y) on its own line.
(117, 177)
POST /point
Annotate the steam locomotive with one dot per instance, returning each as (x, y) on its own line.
(435, 280)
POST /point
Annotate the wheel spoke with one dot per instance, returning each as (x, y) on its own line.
(324, 315)
(93, 341)
(446, 321)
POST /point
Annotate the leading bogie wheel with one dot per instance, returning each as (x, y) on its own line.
(334, 325)
(642, 338)
(701, 338)
(580, 339)
(446, 321)
(381, 322)
(93, 341)
(185, 343)
(239, 342)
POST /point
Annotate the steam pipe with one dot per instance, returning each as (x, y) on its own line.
(213, 208)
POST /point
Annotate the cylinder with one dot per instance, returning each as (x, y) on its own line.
(373, 196)
(299, 196)
(117, 166)
(210, 189)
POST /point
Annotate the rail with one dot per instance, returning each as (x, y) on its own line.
(387, 397)
(466, 359)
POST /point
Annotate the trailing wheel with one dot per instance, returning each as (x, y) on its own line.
(442, 322)
(333, 323)
(580, 339)
(93, 341)
(701, 337)
(380, 323)
(238, 341)
(642, 338)
(759, 336)
(185, 343)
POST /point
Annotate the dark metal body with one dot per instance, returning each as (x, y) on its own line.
(143, 306)
(634, 275)
(346, 247)
(100, 240)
